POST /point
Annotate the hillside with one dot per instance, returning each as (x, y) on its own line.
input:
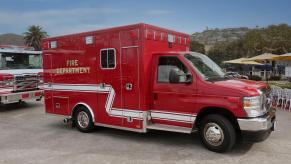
(212, 36)
(11, 39)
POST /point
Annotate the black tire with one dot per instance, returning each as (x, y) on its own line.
(85, 128)
(223, 127)
(21, 103)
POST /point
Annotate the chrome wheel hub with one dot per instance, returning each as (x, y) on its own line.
(83, 119)
(213, 134)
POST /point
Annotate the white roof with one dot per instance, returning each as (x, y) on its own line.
(19, 51)
(21, 71)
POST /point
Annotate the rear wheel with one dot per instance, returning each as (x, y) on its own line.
(83, 120)
(217, 133)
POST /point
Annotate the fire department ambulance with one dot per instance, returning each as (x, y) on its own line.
(141, 77)
(20, 74)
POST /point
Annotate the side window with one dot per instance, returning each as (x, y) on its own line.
(107, 58)
(166, 64)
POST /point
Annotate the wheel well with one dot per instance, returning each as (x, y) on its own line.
(76, 107)
(214, 110)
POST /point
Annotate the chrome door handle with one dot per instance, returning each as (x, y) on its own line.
(128, 86)
(102, 85)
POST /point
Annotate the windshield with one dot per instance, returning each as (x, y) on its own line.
(205, 66)
(20, 61)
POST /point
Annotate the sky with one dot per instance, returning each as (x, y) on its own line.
(59, 17)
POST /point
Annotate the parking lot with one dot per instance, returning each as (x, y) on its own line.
(28, 135)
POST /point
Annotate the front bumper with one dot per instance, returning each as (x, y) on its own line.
(259, 128)
(256, 124)
(11, 97)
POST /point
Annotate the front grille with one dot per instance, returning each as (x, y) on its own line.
(25, 82)
(266, 91)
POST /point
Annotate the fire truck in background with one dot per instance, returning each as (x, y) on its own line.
(142, 77)
(20, 74)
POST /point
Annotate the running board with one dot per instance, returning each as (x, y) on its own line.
(170, 128)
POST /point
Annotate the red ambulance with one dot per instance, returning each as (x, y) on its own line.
(141, 77)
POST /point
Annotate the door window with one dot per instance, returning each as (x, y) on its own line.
(166, 65)
(108, 58)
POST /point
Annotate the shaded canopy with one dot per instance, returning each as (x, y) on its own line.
(242, 61)
(262, 57)
(283, 57)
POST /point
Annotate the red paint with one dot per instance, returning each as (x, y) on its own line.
(37, 93)
(6, 77)
(25, 95)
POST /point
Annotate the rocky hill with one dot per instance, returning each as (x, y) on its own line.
(210, 37)
(11, 39)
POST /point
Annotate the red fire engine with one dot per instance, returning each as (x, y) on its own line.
(20, 74)
(141, 77)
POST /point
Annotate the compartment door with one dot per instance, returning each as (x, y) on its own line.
(48, 80)
(60, 105)
(130, 87)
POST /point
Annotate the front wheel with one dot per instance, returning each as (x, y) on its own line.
(217, 133)
(83, 120)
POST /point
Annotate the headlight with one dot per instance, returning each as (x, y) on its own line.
(253, 106)
(40, 79)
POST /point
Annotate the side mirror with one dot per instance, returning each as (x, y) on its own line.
(174, 76)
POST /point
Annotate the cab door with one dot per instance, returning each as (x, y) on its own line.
(173, 103)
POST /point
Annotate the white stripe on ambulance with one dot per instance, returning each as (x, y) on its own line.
(117, 112)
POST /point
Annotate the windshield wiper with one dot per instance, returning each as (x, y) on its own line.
(216, 78)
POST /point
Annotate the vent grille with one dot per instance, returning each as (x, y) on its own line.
(25, 82)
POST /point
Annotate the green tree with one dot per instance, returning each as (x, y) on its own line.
(197, 47)
(34, 36)
(254, 43)
(278, 38)
(227, 51)
(273, 39)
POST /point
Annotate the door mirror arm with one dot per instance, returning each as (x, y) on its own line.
(189, 79)
(174, 76)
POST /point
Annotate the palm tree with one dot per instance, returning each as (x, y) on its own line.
(34, 36)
